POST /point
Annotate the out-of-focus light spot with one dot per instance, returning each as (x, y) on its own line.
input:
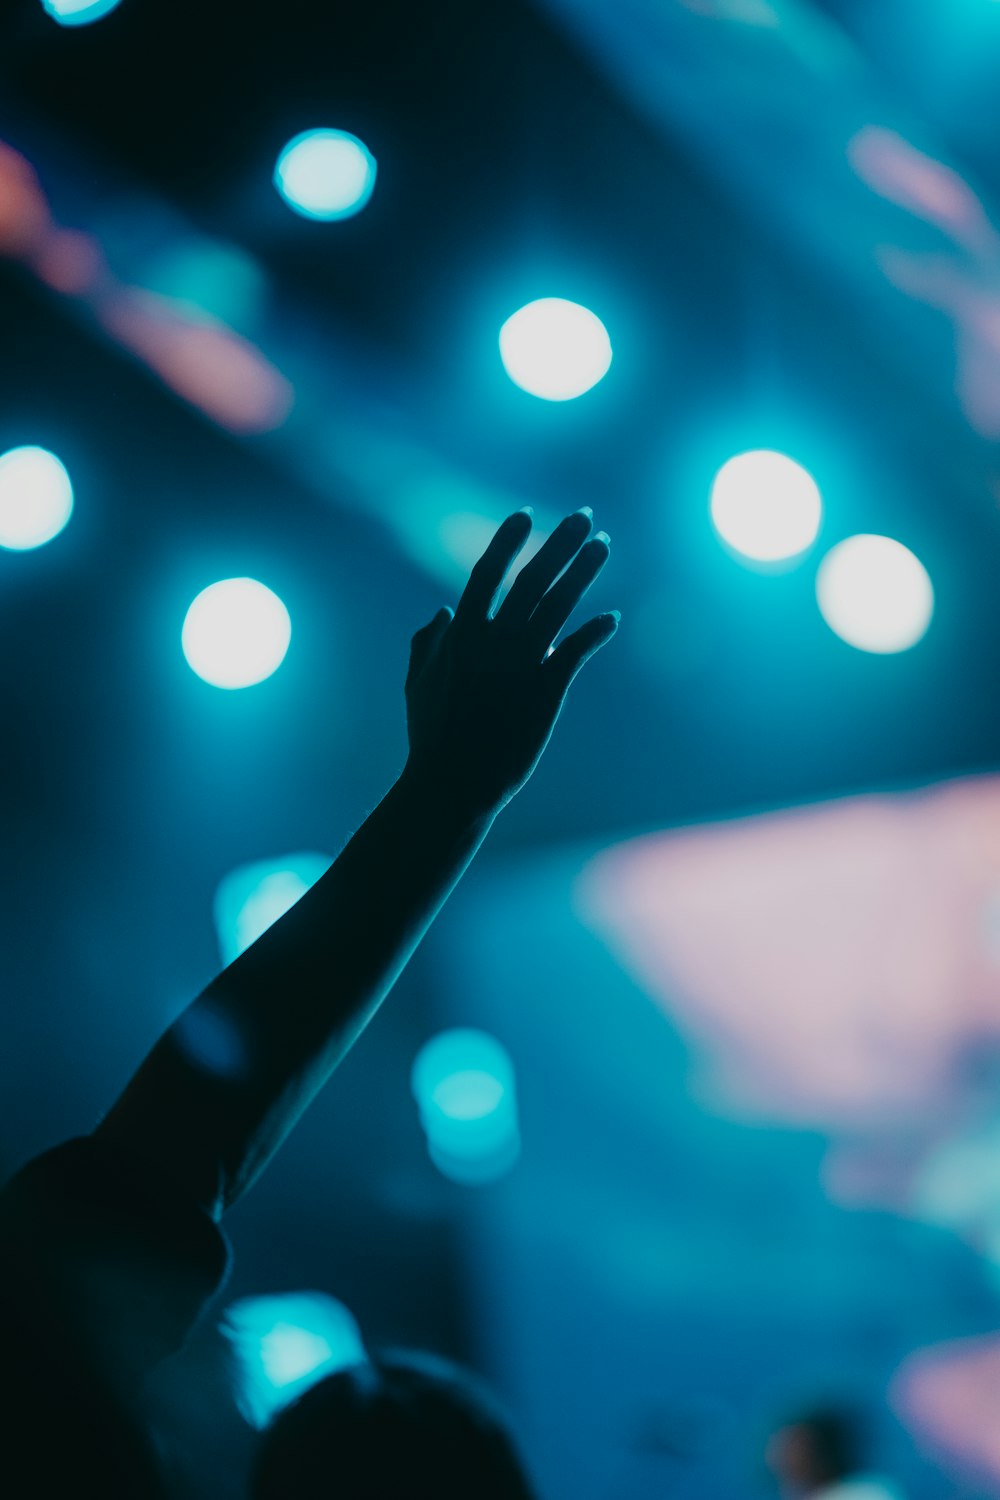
(325, 174)
(236, 633)
(36, 498)
(888, 164)
(24, 211)
(468, 1095)
(282, 1345)
(555, 349)
(209, 364)
(875, 594)
(70, 261)
(766, 506)
(206, 276)
(79, 12)
(958, 1185)
(254, 896)
(463, 1082)
(465, 537)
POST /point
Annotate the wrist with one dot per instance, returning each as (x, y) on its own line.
(447, 796)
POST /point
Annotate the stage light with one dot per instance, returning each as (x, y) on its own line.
(281, 1345)
(36, 498)
(875, 594)
(325, 174)
(766, 506)
(236, 633)
(79, 12)
(254, 896)
(463, 1082)
(555, 349)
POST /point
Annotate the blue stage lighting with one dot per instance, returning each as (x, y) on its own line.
(875, 594)
(36, 498)
(236, 633)
(254, 896)
(766, 506)
(325, 174)
(281, 1345)
(463, 1081)
(79, 12)
(555, 349)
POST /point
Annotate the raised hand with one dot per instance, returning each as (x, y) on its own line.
(484, 690)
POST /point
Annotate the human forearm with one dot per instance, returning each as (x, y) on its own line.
(293, 1004)
(483, 692)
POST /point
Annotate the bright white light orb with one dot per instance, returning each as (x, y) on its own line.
(766, 506)
(36, 498)
(325, 174)
(875, 594)
(79, 12)
(236, 633)
(555, 349)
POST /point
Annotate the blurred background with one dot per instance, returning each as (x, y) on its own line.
(725, 1139)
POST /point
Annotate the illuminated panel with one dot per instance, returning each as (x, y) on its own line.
(948, 1396)
(829, 966)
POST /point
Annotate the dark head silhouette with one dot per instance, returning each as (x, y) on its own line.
(815, 1449)
(402, 1427)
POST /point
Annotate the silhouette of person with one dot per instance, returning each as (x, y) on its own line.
(400, 1427)
(110, 1244)
(820, 1456)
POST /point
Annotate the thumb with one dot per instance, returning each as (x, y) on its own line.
(425, 640)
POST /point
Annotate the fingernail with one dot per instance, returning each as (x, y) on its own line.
(602, 536)
(616, 614)
(526, 510)
(585, 510)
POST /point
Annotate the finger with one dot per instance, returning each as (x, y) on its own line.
(425, 640)
(563, 597)
(577, 649)
(486, 578)
(538, 575)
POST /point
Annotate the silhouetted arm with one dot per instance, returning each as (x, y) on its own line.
(482, 699)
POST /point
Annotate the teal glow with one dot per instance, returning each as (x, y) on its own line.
(254, 896)
(325, 174)
(463, 1082)
(36, 498)
(766, 506)
(468, 1095)
(236, 633)
(79, 12)
(875, 594)
(555, 349)
(207, 276)
(281, 1345)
